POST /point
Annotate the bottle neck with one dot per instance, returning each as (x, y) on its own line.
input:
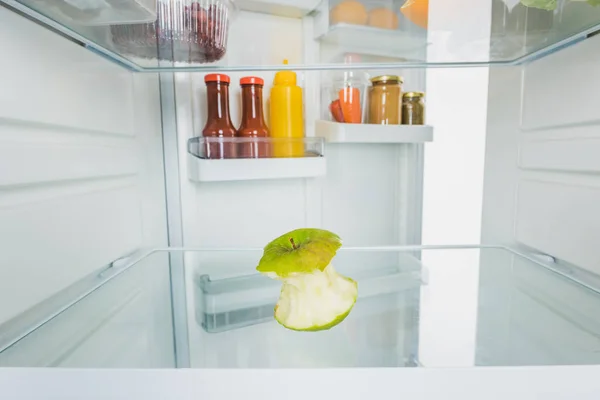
(217, 96)
(252, 104)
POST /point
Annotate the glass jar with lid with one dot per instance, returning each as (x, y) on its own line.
(413, 108)
(385, 100)
(345, 97)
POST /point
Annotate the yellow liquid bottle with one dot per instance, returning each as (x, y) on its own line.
(287, 119)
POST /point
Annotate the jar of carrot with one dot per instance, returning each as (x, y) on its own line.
(346, 98)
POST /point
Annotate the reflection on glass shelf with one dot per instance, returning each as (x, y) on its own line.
(193, 35)
(417, 307)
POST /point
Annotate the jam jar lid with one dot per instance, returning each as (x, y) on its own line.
(387, 78)
(412, 95)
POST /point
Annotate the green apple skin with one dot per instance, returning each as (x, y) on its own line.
(332, 324)
(317, 301)
(549, 5)
(314, 297)
(300, 251)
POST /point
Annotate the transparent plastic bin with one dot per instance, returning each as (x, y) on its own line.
(224, 304)
(100, 12)
(518, 28)
(345, 97)
(186, 31)
(209, 148)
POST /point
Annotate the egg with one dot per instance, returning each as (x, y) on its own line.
(383, 18)
(350, 12)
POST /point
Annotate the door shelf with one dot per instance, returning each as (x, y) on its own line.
(282, 8)
(370, 28)
(365, 40)
(334, 132)
(200, 170)
(239, 159)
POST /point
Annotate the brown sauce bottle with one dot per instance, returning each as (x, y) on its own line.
(253, 126)
(218, 123)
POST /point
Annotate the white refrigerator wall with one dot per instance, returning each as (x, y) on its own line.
(81, 176)
(545, 195)
(366, 195)
(370, 196)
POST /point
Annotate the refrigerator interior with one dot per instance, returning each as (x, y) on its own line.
(94, 167)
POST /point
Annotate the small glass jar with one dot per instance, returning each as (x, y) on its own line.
(413, 108)
(385, 100)
(345, 98)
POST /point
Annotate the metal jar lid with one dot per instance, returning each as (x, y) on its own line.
(412, 95)
(387, 78)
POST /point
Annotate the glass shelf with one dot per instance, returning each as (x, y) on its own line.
(482, 32)
(418, 307)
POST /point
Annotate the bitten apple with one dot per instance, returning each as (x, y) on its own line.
(314, 296)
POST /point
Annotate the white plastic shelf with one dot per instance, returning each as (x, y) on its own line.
(368, 40)
(334, 132)
(240, 159)
(283, 8)
(241, 169)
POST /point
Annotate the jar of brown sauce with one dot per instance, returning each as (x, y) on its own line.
(413, 108)
(253, 128)
(385, 100)
(218, 130)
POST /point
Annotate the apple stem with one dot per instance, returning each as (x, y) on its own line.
(293, 244)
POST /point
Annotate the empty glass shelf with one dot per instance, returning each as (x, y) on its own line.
(201, 35)
(417, 308)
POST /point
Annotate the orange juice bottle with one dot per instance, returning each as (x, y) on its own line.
(287, 119)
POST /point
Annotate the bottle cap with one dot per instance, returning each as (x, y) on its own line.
(252, 80)
(285, 77)
(217, 78)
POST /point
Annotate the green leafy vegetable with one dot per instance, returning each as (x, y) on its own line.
(549, 5)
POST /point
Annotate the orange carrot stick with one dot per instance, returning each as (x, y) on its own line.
(350, 102)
